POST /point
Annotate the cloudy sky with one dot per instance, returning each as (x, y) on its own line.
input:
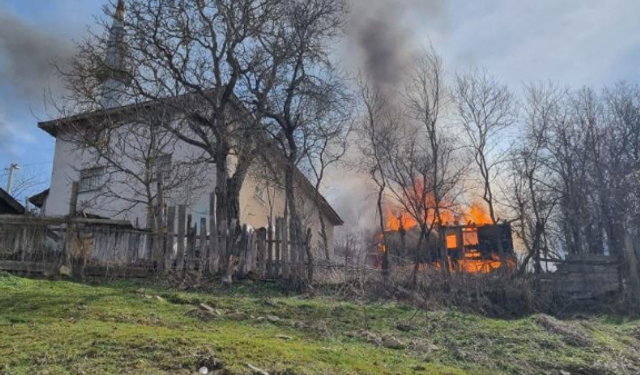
(574, 42)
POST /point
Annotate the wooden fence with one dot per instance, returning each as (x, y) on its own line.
(180, 244)
(83, 246)
(185, 244)
(581, 277)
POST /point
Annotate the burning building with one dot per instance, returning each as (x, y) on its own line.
(477, 246)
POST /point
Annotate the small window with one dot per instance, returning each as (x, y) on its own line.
(452, 241)
(162, 164)
(92, 179)
(261, 194)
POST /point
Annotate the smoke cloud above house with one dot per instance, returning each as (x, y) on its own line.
(26, 72)
(382, 38)
(386, 35)
(27, 56)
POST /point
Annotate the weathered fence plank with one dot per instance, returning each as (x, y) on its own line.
(214, 254)
(182, 212)
(277, 244)
(270, 250)
(159, 237)
(261, 249)
(202, 245)
(169, 239)
(284, 250)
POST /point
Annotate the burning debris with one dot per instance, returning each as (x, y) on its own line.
(472, 242)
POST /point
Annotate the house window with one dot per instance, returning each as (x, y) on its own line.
(261, 194)
(162, 164)
(92, 179)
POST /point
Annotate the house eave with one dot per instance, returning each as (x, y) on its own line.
(11, 202)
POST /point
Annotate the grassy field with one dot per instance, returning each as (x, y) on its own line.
(59, 327)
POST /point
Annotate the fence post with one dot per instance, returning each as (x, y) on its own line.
(293, 252)
(171, 217)
(70, 232)
(214, 255)
(270, 250)
(182, 213)
(241, 251)
(203, 245)
(190, 245)
(261, 252)
(251, 253)
(278, 246)
(223, 250)
(302, 253)
(159, 227)
(309, 255)
(286, 255)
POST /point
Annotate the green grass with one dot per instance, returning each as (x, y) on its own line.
(60, 327)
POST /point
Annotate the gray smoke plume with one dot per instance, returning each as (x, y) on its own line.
(27, 56)
(383, 36)
(26, 72)
(388, 33)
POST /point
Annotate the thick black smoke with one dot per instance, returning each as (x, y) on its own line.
(388, 33)
(383, 36)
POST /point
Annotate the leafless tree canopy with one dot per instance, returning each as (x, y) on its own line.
(191, 57)
(27, 181)
(485, 108)
(410, 151)
(299, 92)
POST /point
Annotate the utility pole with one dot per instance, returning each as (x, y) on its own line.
(12, 168)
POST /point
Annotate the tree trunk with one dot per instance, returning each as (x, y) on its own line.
(385, 254)
(324, 237)
(294, 219)
(233, 198)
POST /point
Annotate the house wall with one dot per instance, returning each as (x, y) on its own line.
(68, 161)
(257, 212)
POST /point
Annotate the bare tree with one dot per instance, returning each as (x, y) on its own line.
(411, 155)
(376, 136)
(189, 57)
(439, 167)
(529, 194)
(26, 181)
(485, 108)
(328, 149)
(299, 90)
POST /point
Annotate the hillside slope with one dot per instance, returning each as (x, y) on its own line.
(59, 327)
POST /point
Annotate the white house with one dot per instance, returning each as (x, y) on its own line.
(258, 203)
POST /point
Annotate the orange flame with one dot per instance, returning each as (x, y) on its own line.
(473, 263)
(474, 216)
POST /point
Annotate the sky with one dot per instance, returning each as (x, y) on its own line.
(572, 42)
